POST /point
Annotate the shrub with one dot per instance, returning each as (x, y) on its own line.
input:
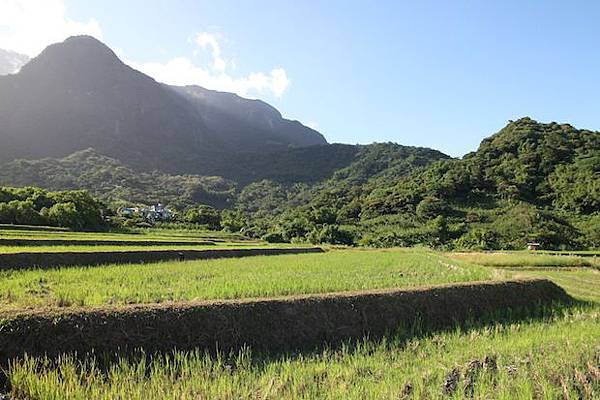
(479, 239)
(274, 237)
(431, 207)
(233, 221)
(203, 215)
(332, 234)
(64, 214)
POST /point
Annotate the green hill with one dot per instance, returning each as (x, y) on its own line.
(117, 184)
(529, 182)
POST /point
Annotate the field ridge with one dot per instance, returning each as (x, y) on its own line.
(267, 324)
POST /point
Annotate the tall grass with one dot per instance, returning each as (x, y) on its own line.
(337, 270)
(556, 358)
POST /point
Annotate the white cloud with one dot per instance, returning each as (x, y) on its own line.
(205, 40)
(312, 125)
(215, 75)
(28, 26)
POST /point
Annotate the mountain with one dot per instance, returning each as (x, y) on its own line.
(11, 62)
(372, 166)
(116, 183)
(238, 120)
(525, 161)
(78, 94)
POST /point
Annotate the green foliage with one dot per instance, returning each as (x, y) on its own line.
(116, 183)
(330, 234)
(479, 239)
(62, 214)
(590, 231)
(576, 186)
(34, 206)
(430, 207)
(233, 221)
(528, 182)
(274, 237)
(203, 215)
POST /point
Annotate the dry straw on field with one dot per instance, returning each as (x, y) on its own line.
(266, 324)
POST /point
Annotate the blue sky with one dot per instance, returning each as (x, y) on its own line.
(441, 74)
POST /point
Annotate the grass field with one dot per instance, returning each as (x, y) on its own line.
(543, 359)
(554, 357)
(526, 259)
(581, 283)
(340, 270)
(7, 232)
(99, 248)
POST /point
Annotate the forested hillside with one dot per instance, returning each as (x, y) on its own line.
(529, 182)
(117, 184)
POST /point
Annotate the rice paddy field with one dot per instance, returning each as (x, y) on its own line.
(252, 277)
(529, 259)
(552, 354)
(110, 248)
(16, 232)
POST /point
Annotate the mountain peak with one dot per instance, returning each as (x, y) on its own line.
(79, 56)
(78, 94)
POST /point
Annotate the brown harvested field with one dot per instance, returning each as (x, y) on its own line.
(12, 261)
(266, 324)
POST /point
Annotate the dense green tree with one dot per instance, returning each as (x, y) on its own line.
(431, 207)
(35, 206)
(233, 221)
(63, 214)
(203, 215)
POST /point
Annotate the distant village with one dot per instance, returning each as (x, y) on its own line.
(152, 214)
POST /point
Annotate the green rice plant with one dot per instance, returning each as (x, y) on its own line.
(556, 357)
(99, 248)
(552, 357)
(526, 259)
(264, 276)
(138, 234)
(581, 283)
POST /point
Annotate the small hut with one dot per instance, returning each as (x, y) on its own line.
(533, 246)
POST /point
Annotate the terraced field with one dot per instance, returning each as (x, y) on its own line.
(451, 342)
(268, 276)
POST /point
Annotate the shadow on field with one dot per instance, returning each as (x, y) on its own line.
(250, 357)
(543, 301)
(48, 260)
(276, 325)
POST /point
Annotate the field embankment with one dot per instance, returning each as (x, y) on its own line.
(266, 324)
(13, 261)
